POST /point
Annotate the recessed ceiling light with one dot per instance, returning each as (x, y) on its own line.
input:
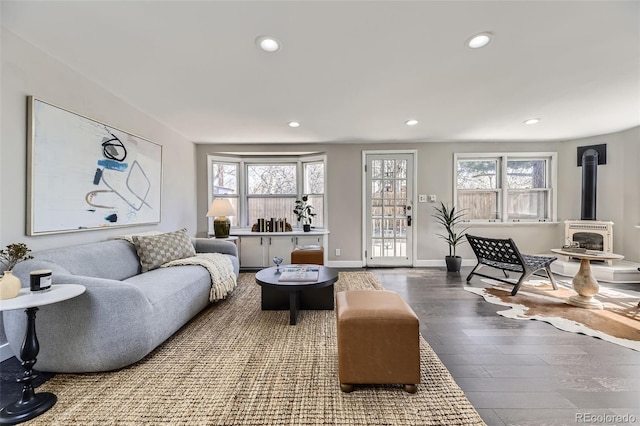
(268, 44)
(532, 121)
(294, 124)
(411, 122)
(479, 40)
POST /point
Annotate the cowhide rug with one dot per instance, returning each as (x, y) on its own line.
(618, 322)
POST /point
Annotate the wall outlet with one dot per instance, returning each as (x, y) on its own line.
(422, 198)
(337, 252)
(432, 198)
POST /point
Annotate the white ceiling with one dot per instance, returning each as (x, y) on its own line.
(354, 71)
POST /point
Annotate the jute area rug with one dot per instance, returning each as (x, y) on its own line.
(236, 365)
(618, 322)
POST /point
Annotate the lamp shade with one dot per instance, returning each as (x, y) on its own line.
(221, 207)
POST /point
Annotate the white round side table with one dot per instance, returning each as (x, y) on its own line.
(33, 404)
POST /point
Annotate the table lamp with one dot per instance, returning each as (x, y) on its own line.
(220, 209)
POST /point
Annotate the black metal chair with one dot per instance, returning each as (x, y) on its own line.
(503, 254)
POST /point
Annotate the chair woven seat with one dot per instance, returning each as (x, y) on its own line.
(503, 254)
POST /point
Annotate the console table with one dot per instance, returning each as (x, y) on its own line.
(33, 404)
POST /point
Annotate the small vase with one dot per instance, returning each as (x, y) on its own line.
(9, 286)
(306, 227)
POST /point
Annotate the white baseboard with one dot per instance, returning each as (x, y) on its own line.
(441, 263)
(417, 263)
(5, 351)
(344, 264)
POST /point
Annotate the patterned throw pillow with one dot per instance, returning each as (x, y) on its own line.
(154, 250)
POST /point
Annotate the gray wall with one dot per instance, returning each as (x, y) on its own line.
(618, 193)
(26, 70)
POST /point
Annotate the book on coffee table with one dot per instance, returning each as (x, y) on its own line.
(299, 274)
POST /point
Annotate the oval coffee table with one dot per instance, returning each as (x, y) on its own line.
(294, 296)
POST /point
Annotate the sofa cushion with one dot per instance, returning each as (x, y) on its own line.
(154, 250)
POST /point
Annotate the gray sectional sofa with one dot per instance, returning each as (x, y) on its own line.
(123, 315)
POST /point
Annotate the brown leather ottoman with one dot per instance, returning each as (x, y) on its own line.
(308, 256)
(378, 340)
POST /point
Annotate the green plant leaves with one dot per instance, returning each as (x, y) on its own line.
(450, 218)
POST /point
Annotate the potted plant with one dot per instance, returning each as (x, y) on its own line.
(304, 212)
(450, 218)
(10, 284)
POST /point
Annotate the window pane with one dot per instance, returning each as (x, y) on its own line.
(401, 171)
(527, 205)
(314, 178)
(389, 168)
(376, 248)
(479, 205)
(376, 208)
(526, 174)
(317, 201)
(271, 179)
(401, 229)
(388, 189)
(376, 169)
(477, 174)
(225, 178)
(234, 219)
(376, 227)
(267, 208)
(376, 188)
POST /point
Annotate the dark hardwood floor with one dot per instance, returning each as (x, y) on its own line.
(520, 372)
(513, 372)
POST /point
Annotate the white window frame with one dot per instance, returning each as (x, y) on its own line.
(243, 162)
(551, 159)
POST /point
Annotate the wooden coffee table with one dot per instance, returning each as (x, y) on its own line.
(294, 296)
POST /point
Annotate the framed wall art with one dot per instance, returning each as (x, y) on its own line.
(86, 175)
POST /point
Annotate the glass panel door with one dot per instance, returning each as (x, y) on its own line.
(389, 209)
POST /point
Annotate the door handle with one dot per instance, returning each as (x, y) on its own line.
(409, 220)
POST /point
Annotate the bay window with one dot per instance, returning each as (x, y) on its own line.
(267, 187)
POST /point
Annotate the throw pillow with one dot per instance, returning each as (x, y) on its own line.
(154, 250)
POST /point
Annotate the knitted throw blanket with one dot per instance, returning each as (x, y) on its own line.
(223, 279)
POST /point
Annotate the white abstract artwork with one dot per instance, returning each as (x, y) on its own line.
(86, 175)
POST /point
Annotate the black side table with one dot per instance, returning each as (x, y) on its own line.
(32, 404)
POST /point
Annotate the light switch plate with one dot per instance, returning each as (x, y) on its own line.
(432, 198)
(422, 198)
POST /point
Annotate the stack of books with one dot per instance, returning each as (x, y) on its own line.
(271, 225)
(305, 273)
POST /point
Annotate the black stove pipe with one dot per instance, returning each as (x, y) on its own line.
(589, 184)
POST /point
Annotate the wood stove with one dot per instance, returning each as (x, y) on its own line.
(591, 234)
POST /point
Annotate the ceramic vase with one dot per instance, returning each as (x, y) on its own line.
(9, 286)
